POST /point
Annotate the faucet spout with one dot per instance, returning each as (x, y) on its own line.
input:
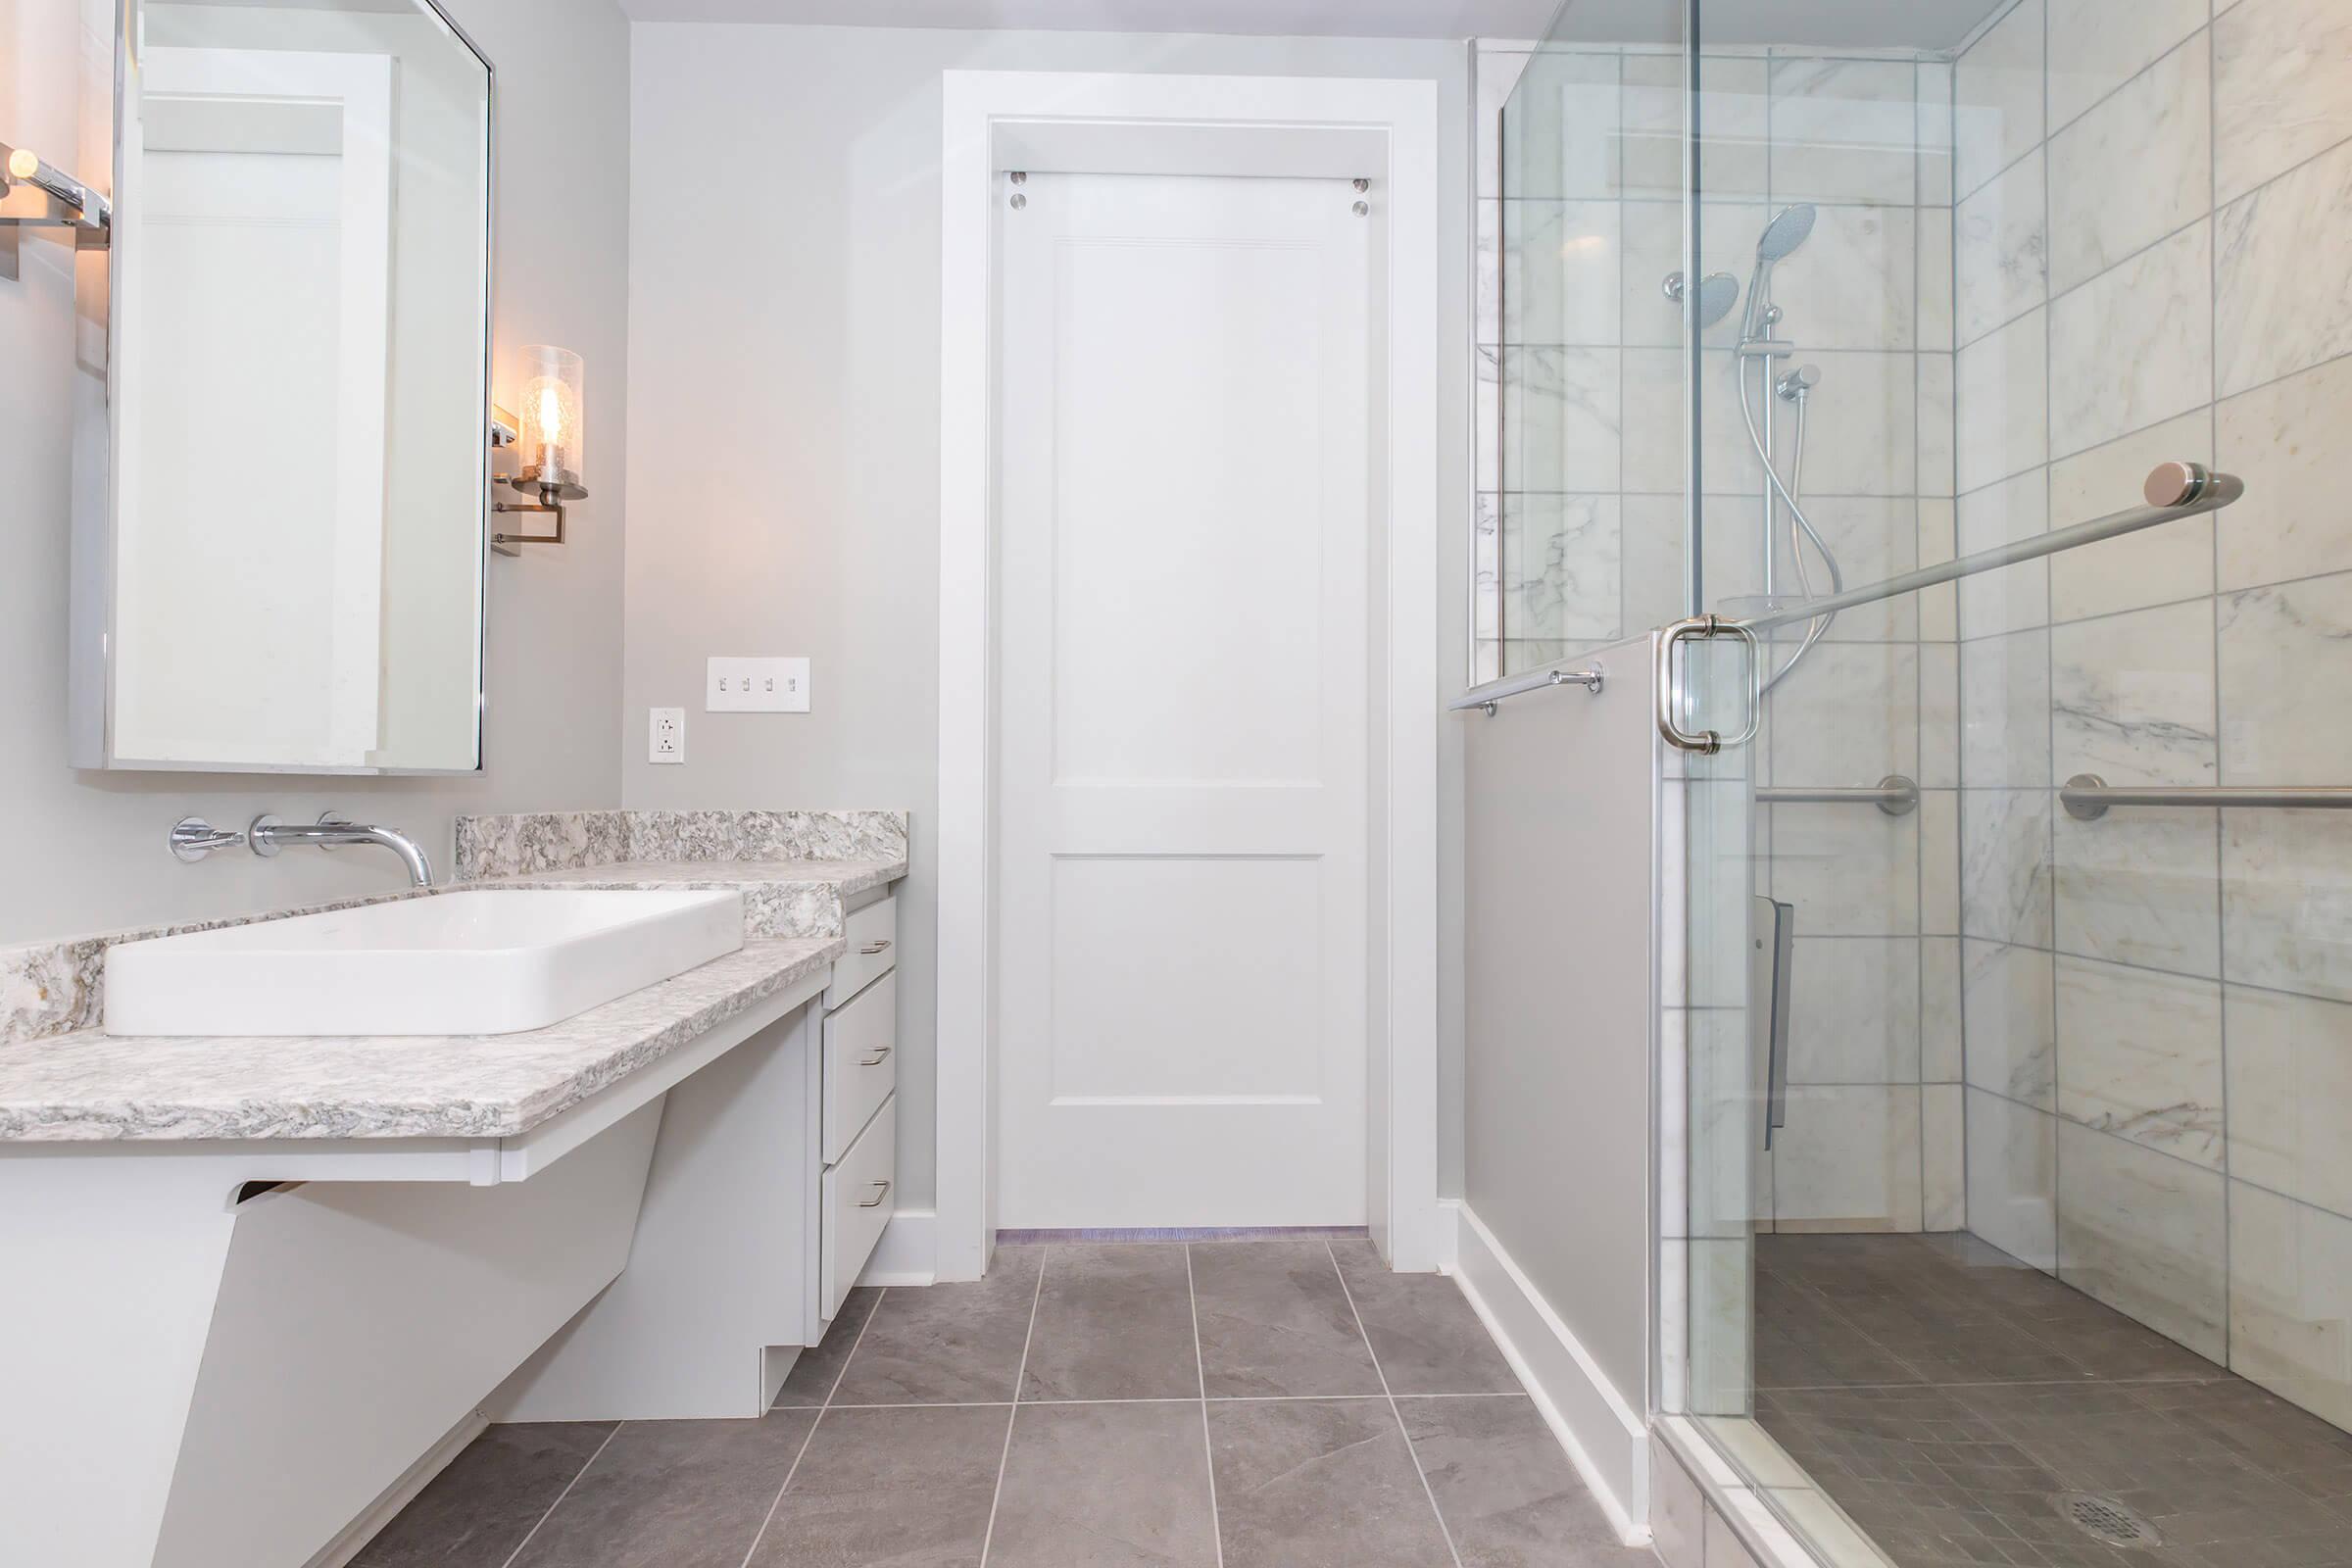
(268, 835)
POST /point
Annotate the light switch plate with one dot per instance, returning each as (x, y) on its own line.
(665, 735)
(756, 686)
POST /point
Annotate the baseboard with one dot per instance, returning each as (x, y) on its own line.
(1607, 1437)
(354, 1537)
(909, 1252)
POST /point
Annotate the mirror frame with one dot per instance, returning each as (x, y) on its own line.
(90, 593)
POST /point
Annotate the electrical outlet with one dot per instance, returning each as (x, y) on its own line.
(756, 686)
(665, 735)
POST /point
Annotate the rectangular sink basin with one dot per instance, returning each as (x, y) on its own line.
(483, 962)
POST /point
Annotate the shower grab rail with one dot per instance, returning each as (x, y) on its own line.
(1492, 692)
(1894, 795)
(2087, 795)
(2174, 490)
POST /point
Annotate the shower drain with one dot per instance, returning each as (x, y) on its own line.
(2105, 1519)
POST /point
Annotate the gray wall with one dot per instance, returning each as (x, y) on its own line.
(93, 859)
(785, 415)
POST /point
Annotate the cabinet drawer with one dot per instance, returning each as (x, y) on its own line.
(862, 1062)
(873, 936)
(857, 1203)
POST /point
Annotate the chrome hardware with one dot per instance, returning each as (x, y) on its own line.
(1794, 384)
(52, 199)
(1361, 185)
(1485, 697)
(193, 838)
(2087, 797)
(1020, 201)
(2201, 491)
(881, 1192)
(1894, 795)
(1772, 956)
(1361, 209)
(877, 1058)
(872, 948)
(268, 835)
(1671, 695)
(1018, 176)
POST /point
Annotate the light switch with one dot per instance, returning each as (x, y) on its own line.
(756, 686)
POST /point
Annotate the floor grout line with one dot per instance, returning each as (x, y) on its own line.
(1444, 1530)
(810, 1436)
(1209, 1448)
(1013, 1414)
(511, 1556)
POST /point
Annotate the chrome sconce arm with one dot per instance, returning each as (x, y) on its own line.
(35, 195)
(505, 432)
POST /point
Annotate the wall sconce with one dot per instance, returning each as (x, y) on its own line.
(33, 195)
(550, 439)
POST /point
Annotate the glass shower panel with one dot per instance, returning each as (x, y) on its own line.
(1589, 356)
(2058, 1175)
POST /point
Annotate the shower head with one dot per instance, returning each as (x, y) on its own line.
(1789, 229)
(1718, 292)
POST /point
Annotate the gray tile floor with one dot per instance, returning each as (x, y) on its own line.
(1947, 1396)
(1282, 1401)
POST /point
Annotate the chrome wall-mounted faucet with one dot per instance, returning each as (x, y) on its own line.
(193, 838)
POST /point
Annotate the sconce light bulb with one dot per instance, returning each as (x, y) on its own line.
(551, 416)
(23, 163)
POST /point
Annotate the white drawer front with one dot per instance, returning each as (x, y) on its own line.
(873, 936)
(862, 1062)
(859, 1201)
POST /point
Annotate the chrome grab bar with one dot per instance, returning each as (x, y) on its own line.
(1671, 695)
(2087, 795)
(1485, 696)
(1894, 795)
(2174, 490)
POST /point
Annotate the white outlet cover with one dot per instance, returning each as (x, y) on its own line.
(665, 735)
(742, 685)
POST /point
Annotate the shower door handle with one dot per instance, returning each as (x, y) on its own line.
(1772, 954)
(1671, 692)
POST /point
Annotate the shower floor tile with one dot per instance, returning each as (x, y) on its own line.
(2010, 1391)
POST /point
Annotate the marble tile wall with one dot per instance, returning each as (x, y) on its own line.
(2152, 245)
(1582, 518)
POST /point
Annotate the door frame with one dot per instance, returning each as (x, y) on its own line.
(1209, 125)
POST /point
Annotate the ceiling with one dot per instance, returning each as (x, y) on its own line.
(1831, 23)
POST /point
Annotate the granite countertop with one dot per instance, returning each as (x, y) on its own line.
(845, 876)
(89, 1086)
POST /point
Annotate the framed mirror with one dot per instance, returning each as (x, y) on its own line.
(281, 517)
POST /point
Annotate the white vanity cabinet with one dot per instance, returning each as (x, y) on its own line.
(771, 1185)
(857, 1119)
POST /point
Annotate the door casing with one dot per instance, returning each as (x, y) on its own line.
(1104, 123)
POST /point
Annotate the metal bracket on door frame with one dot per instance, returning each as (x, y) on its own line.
(1670, 692)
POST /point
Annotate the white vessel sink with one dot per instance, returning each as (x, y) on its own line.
(488, 961)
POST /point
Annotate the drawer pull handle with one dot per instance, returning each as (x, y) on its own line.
(877, 1059)
(881, 1191)
(872, 948)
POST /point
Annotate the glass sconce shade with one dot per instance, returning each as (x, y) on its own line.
(554, 417)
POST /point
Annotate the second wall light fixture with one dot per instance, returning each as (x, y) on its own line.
(550, 439)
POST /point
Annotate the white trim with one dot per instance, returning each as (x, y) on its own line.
(1607, 1437)
(907, 1252)
(1404, 114)
(353, 1538)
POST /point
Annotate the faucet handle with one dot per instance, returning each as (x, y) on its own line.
(193, 838)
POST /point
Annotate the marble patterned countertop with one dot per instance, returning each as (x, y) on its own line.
(89, 1087)
(780, 897)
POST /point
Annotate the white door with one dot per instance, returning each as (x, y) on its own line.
(1183, 685)
(257, 305)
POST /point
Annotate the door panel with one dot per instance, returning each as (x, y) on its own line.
(1183, 686)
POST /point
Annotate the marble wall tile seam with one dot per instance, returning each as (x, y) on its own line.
(2052, 131)
(2077, 1122)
